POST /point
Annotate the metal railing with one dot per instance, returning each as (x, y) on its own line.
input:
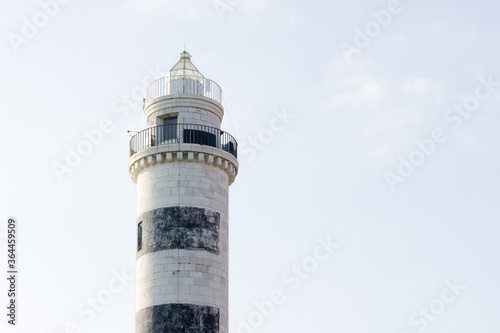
(190, 85)
(183, 133)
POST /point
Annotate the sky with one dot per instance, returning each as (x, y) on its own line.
(368, 190)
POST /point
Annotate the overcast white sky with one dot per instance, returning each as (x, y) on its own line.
(353, 117)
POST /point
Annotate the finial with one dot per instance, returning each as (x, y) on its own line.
(184, 55)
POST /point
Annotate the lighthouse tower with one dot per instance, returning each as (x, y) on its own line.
(183, 164)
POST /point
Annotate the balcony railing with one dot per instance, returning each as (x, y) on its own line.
(183, 133)
(190, 85)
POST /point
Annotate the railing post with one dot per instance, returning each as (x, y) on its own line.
(192, 85)
(196, 134)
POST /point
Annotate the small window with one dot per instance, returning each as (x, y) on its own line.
(169, 129)
(139, 237)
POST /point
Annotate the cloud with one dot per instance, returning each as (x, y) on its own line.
(151, 4)
(358, 93)
(178, 10)
(378, 112)
(255, 6)
(352, 89)
(458, 33)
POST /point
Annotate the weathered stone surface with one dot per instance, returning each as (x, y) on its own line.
(178, 318)
(177, 227)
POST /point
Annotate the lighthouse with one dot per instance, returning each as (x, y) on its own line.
(183, 164)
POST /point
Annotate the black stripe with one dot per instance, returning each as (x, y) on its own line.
(177, 318)
(177, 227)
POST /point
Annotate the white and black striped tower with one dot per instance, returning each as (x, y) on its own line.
(183, 165)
